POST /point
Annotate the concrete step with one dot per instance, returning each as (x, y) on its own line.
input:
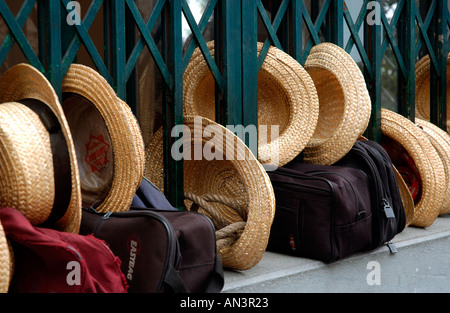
(422, 264)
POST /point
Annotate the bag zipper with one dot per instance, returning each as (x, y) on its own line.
(380, 190)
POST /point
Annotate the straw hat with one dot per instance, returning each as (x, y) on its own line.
(42, 184)
(231, 187)
(5, 262)
(405, 195)
(441, 142)
(344, 103)
(423, 89)
(287, 98)
(107, 139)
(400, 136)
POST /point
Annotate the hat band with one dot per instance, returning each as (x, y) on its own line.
(61, 159)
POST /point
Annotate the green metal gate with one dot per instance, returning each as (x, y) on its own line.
(415, 28)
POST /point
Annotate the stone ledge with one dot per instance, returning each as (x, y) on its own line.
(422, 264)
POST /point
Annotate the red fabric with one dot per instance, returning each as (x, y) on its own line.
(48, 260)
(410, 175)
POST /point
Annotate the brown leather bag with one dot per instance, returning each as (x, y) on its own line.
(321, 212)
(161, 251)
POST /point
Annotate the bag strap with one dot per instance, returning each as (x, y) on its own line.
(173, 280)
(217, 280)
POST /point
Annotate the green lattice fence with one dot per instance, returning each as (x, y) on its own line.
(413, 29)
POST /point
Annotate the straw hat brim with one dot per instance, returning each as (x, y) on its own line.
(441, 142)
(22, 82)
(127, 142)
(422, 94)
(344, 104)
(405, 194)
(404, 134)
(287, 98)
(5, 262)
(238, 176)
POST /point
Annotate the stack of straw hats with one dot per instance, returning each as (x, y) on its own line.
(43, 185)
(422, 95)
(42, 157)
(441, 142)
(286, 98)
(414, 154)
(320, 109)
(107, 138)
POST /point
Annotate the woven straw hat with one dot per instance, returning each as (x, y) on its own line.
(405, 195)
(234, 192)
(107, 138)
(6, 260)
(407, 200)
(441, 142)
(344, 103)
(402, 137)
(33, 179)
(423, 89)
(287, 98)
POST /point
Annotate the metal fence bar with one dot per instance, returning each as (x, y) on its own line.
(53, 45)
(406, 77)
(249, 67)
(173, 105)
(372, 44)
(438, 105)
(230, 57)
(337, 22)
(75, 43)
(118, 49)
(22, 16)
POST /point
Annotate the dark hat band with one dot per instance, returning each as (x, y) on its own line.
(61, 159)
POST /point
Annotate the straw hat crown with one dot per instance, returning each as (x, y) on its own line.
(344, 103)
(287, 99)
(108, 141)
(422, 96)
(402, 137)
(231, 187)
(39, 172)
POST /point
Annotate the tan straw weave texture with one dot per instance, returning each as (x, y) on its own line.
(6, 260)
(344, 103)
(441, 142)
(423, 89)
(235, 191)
(400, 134)
(407, 200)
(287, 98)
(25, 163)
(127, 142)
(20, 82)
